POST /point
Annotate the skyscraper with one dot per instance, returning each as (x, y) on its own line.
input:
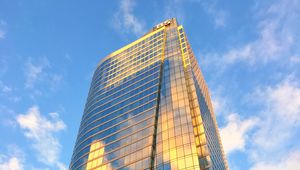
(149, 108)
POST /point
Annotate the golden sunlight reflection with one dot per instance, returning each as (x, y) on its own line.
(95, 158)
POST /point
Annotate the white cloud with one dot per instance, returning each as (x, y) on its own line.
(275, 140)
(235, 134)
(12, 163)
(13, 160)
(61, 166)
(125, 19)
(281, 114)
(271, 133)
(284, 100)
(287, 162)
(41, 131)
(278, 36)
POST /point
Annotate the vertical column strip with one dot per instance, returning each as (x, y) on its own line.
(200, 137)
(153, 149)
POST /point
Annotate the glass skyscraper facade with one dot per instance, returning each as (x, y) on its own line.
(149, 108)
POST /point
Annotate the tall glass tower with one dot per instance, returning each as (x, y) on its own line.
(149, 108)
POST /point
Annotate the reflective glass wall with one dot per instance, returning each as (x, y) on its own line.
(147, 109)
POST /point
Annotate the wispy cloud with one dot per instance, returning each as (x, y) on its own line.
(4, 88)
(218, 15)
(220, 102)
(40, 75)
(286, 94)
(235, 134)
(2, 34)
(6, 114)
(3, 66)
(125, 19)
(2, 31)
(7, 92)
(291, 161)
(270, 132)
(278, 37)
(275, 134)
(281, 114)
(174, 8)
(295, 59)
(34, 72)
(42, 132)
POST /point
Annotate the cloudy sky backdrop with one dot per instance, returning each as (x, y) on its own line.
(249, 52)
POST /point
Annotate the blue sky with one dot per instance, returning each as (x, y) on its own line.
(248, 51)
